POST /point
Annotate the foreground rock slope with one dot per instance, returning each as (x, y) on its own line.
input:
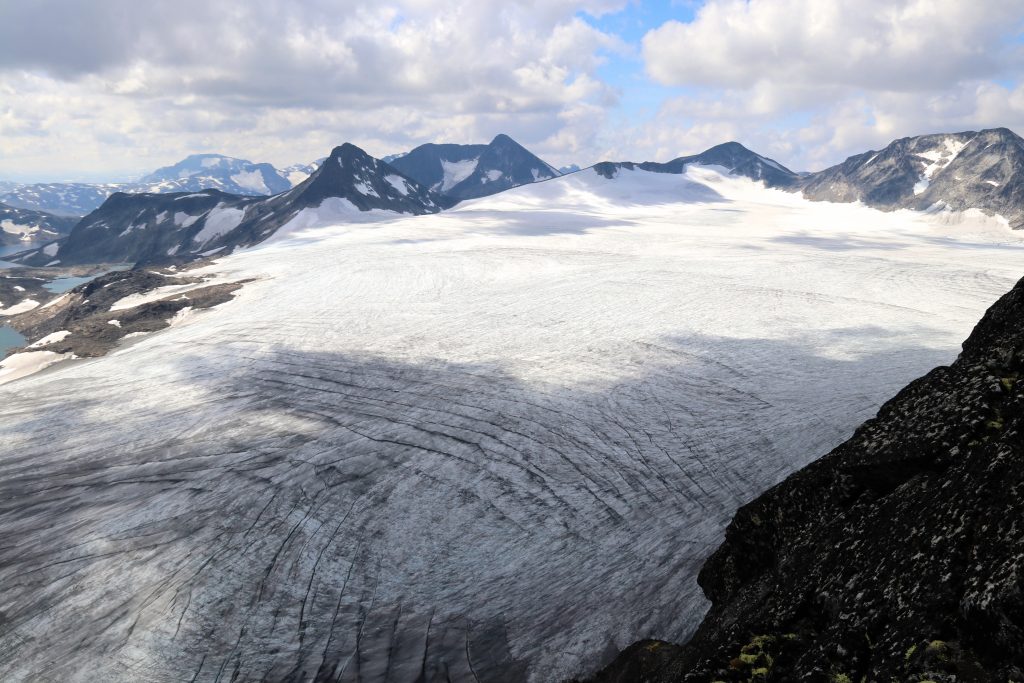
(897, 557)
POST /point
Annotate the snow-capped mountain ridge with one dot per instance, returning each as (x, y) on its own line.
(956, 171)
(157, 227)
(469, 171)
(194, 173)
(24, 225)
(67, 199)
(198, 172)
(734, 157)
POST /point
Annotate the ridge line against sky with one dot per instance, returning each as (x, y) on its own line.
(113, 89)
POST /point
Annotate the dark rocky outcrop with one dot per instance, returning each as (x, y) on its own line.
(899, 556)
(85, 312)
(733, 156)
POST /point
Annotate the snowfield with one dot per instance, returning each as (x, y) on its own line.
(494, 443)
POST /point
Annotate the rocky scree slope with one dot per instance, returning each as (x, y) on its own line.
(982, 170)
(175, 228)
(733, 156)
(88, 324)
(470, 171)
(899, 556)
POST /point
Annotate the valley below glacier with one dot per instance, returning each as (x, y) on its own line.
(495, 443)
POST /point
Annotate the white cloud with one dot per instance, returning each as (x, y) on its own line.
(871, 44)
(813, 81)
(120, 86)
(283, 81)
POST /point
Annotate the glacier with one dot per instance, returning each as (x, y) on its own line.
(494, 443)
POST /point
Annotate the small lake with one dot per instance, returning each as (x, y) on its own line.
(65, 284)
(10, 339)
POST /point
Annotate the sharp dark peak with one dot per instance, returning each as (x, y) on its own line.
(501, 139)
(348, 151)
(732, 146)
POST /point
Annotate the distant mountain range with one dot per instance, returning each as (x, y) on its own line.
(216, 172)
(179, 226)
(178, 218)
(23, 225)
(192, 174)
(458, 171)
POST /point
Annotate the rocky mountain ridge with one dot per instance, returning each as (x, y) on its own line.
(955, 171)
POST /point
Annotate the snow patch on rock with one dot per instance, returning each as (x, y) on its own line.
(456, 171)
(220, 221)
(51, 338)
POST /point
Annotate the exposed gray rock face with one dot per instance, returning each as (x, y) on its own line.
(982, 170)
(468, 171)
(896, 557)
(733, 156)
(172, 228)
(24, 225)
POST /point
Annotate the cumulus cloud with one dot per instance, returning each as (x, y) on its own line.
(871, 44)
(812, 81)
(117, 86)
(241, 75)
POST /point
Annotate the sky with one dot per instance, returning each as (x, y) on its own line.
(107, 90)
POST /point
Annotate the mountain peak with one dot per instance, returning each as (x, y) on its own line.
(502, 139)
(730, 146)
(366, 182)
(348, 149)
(732, 156)
(469, 171)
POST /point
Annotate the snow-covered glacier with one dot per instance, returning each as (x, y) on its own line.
(490, 444)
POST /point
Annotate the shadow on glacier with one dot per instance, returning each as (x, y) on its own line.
(839, 242)
(536, 223)
(331, 517)
(957, 243)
